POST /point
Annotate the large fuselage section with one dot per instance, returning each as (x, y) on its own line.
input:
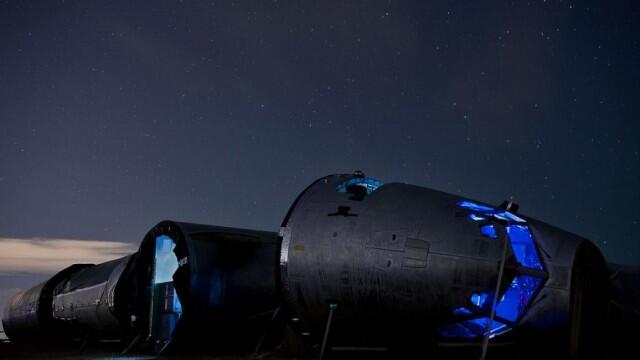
(401, 263)
(401, 255)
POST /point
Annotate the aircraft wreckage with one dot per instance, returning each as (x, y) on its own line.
(357, 265)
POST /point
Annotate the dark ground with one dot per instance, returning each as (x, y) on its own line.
(110, 351)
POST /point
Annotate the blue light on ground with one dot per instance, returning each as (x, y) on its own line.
(479, 325)
(462, 311)
(473, 328)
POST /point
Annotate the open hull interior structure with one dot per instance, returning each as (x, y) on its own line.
(203, 284)
(356, 265)
(165, 307)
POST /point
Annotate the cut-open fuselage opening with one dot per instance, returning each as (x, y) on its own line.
(166, 308)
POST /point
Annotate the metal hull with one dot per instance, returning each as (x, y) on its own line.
(402, 263)
(356, 265)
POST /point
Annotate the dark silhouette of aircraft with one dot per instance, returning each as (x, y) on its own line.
(357, 267)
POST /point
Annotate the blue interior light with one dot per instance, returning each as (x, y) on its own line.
(507, 216)
(523, 247)
(368, 183)
(479, 299)
(488, 231)
(473, 328)
(165, 266)
(165, 262)
(489, 211)
(515, 299)
(475, 217)
(475, 207)
(461, 311)
(479, 325)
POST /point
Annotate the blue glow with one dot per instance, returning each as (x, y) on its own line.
(165, 266)
(489, 211)
(461, 311)
(488, 231)
(456, 330)
(475, 207)
(507, 216)
(523, 247)
(512, 305)
(473, 328)
(368, 183)
(475, 217)
(479, 325)
(166, 262)
(515, 299)
(177, 305)
(479, 299)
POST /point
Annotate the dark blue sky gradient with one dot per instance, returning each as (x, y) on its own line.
(116, 115)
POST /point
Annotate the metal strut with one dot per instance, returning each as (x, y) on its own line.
(332, 307)
(266, 331)
(133, 342)
(487, 330)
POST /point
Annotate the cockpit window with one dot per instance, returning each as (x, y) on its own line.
(352, 185)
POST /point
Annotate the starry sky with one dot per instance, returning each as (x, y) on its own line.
(116, 115)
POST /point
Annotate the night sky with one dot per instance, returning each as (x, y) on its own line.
(117, 115)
